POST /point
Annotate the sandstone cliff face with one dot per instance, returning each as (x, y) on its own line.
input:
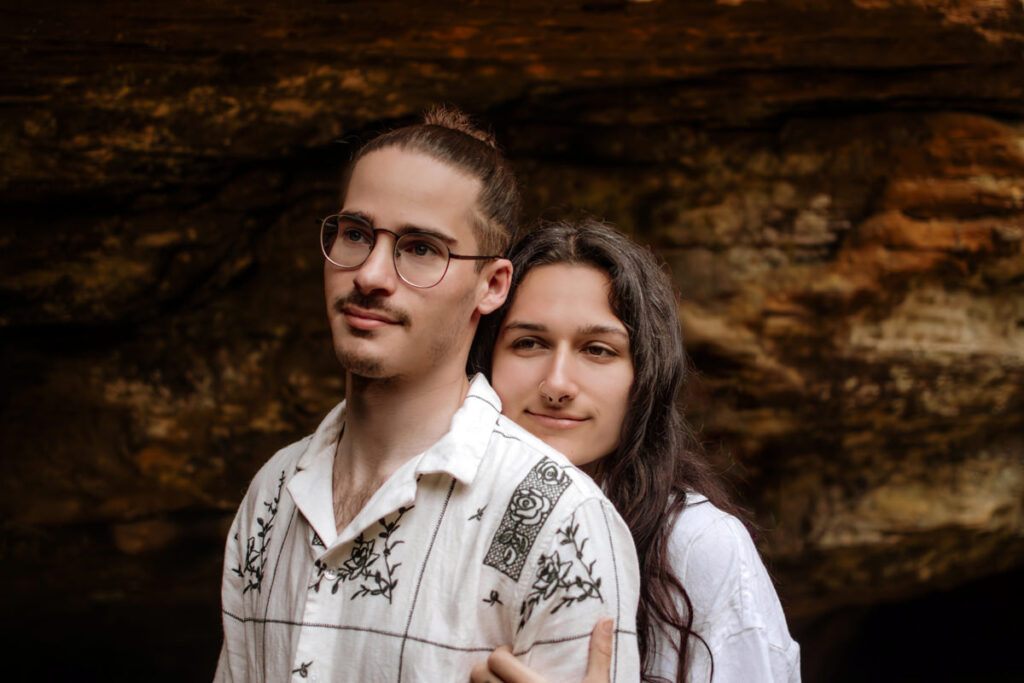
(838, 189)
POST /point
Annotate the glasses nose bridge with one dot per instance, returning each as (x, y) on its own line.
(375, 232)
(390, 252)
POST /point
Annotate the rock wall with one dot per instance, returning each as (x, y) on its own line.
(837, 187)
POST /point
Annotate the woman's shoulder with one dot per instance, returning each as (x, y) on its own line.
(704, 536)
(714, 556)
(735, 606)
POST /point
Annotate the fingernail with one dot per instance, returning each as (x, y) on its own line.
(606, 627)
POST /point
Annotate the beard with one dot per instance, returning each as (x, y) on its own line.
(372, 364)
(370, 368)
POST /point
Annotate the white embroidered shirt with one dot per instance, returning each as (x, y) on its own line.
(488, 538)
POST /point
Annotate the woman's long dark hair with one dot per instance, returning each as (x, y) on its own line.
(659, 460)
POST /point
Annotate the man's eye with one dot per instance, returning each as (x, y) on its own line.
(354, 236)
(420, 248)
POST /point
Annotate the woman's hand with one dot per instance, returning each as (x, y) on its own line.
(503, 667)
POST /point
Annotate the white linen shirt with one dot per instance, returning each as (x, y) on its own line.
(735, 607)
(488, 538)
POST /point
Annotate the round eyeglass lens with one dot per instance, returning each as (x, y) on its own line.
(421, 260)
(346, 243)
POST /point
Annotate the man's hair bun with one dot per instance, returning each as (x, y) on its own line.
(455, 119)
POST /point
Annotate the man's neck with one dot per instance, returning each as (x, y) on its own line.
(387, 423)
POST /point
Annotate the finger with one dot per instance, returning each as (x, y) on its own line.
(509, 669)
(478, 674)
(481, 674)
(599, 663)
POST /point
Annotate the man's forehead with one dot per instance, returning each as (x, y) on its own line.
(398, 189)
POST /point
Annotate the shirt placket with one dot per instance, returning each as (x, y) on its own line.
(342, 568)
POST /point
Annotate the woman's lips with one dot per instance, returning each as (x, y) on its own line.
(555, 420)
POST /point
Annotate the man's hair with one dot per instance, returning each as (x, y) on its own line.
(659, 461)
(447, 135)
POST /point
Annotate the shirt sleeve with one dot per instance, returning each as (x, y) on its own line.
(583, 569)
(736, 609)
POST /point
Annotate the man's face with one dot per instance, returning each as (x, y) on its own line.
(383, 327)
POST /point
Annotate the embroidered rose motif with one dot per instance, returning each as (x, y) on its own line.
(549, 472)
(376, 578)
(529, 506)
(551, 575)
(362, 556)
(553, 578)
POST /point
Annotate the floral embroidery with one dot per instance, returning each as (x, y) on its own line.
(493, 599)
(478, 515)
(316, 540)
(553, 577)
(303, 669)
(531, 503)
(362, 563)
(256, 556)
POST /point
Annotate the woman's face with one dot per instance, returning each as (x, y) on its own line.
(561, 362)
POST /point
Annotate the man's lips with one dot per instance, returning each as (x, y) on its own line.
(365, 319)
(556, 420)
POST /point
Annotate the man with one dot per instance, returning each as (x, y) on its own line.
(417, 529)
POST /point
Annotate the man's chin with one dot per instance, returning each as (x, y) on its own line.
(361, 365)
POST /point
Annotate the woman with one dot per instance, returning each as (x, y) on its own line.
(588, 356)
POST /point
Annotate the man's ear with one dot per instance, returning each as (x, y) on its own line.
(495, 279)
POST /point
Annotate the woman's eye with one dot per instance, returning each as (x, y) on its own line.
(600, 351)
(526, 344)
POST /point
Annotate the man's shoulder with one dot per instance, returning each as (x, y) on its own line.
(278, 469)
(521, 453)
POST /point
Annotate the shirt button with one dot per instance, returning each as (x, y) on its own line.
(331, 574)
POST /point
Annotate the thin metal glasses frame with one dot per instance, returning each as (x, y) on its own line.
(324, 226)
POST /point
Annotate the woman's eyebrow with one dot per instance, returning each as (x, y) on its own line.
(523, 325)
(588, 330)
(603, 329)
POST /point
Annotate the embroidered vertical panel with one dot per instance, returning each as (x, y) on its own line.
(529, 508)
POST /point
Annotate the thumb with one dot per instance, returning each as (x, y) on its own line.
(600, 662)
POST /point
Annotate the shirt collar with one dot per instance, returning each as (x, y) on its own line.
(460, 452)
(325, 438)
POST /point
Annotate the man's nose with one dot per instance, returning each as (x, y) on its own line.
(377, 274)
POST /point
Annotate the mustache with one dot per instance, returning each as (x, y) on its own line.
(372, 303)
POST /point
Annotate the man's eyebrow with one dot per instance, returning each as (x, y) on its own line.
(430, 232)
(357, 216)
(361, 217)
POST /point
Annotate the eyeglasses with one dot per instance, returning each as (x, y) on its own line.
(420, 258)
